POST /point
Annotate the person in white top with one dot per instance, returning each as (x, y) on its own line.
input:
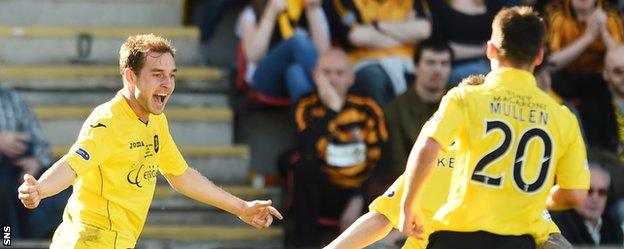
(281, 40)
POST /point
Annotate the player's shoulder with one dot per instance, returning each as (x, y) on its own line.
(565, 112)
(468, 86)
(106, 114)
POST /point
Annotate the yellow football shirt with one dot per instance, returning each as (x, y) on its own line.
(433, 197)
(513, 138)
(116, 158)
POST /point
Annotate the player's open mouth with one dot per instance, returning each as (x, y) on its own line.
(160, 98)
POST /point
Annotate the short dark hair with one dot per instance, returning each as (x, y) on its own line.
(436, 45)
(518, 33)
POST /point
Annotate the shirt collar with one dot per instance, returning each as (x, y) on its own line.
(594, 232)
(120, 100)
(512, 77)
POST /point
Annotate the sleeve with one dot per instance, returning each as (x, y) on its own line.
(171, 160)
(389, 203)
(38, 144)
(444, 125)
(572, 170)
(94, 145)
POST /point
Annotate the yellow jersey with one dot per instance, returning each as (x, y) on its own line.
(433, 197)
(513, 139)
(116, 159)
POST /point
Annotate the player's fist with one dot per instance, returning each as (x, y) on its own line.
(259, 213)
(28, 192)
(410, 223)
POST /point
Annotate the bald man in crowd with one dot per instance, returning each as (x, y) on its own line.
(340, 138)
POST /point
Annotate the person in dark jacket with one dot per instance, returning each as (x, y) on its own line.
(591, 224)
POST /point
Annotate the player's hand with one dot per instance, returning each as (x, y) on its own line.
(259, 214)
(410, 223)
(29, 165)
(28, 192)
(13, 144)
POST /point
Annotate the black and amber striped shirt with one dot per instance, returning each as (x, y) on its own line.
(347, 145)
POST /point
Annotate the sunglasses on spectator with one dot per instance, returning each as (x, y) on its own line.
(600, 192)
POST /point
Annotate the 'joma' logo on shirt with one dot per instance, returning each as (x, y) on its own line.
(136, 144)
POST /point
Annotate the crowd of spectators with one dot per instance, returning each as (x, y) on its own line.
(383, 40)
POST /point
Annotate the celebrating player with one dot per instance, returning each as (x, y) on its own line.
(114, 163)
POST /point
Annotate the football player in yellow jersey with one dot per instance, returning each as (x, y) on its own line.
(120, 149)
(385, 210)
(513, 138)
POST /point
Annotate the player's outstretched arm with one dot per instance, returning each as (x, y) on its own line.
(366, 230)
(562, 199)
(54, 180)
(192, 184)
(418, 169)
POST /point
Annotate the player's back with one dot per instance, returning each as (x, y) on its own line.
(514, 139)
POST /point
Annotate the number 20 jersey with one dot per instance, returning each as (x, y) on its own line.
(514, 140)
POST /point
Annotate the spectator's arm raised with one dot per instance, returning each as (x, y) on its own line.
(257, 36)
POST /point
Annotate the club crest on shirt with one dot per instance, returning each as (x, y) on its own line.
(156, 145)
(83, 153)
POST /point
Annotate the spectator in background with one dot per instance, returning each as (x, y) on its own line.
(340, 139)
(406, 114)
(579, 33)
(465, 24)
(23, 150)
(281, 40)
(380, 37)
(613, 73)
(590, 224)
